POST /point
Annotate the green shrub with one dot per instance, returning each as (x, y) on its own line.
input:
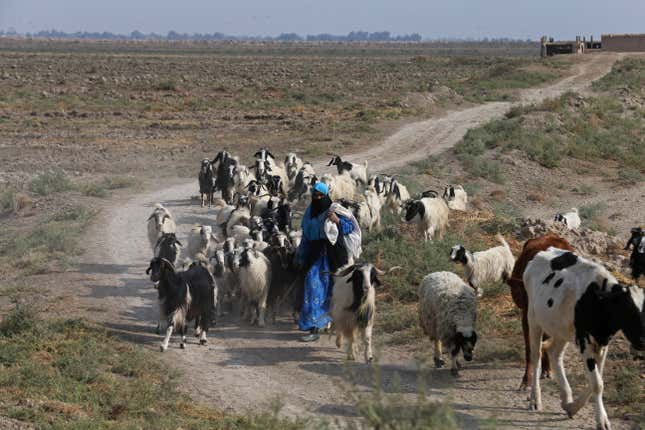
(167, 85)
(50, 182)
(94, 190)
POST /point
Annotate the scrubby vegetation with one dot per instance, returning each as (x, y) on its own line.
(603, 127)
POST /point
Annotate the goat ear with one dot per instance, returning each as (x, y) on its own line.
(179, 243)
(148, 269)
(150, 217)
(346, 271)
(270, 155)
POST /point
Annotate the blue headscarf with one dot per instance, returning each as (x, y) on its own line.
(321, 187)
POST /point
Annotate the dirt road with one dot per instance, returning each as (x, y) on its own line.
(246, 368)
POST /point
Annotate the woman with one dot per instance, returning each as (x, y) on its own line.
(320, 257)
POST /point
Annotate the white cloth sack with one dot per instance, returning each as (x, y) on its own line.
(351, 241)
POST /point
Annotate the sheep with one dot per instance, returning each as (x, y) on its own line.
(570, 219)
(456, 197)
(206, 180)
(429, 214)
(254, 273)
(353, 306)
(396, 196)
(201, 240)
(518, 293)
(224, 277)
(240, 216)
(637, 258)
(159, 222)
(571, 297)
(183, 296)
(492, 265)
(447, 315)
(340, 186)
(292, 164)
(357, 172)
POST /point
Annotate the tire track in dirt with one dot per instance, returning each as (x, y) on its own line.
(245, 368)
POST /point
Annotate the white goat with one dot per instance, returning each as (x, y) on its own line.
(200, 241)
(159, 222)
(429, 214)
(570, 219)
(369, 210)
(353, 306)
(447, 314)
(356, 171)
(456, 197)
(492, 265)
(292, 164)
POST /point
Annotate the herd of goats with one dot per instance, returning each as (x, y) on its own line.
(246, 258)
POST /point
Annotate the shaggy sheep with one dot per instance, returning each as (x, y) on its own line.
(201, 240)
(254, 273)
(447, 314)
(492, 265)
(340, 186)
(159, 222)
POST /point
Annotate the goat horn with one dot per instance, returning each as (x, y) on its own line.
(391, 269)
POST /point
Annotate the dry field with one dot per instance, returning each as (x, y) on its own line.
(92, 133)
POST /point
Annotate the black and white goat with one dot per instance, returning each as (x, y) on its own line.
(429, 214)
(357, 172)
(573, 298)
(304, 180)
(570, 219)
(396, 196)
(353, 307)
(637, 258)
(225, 175)
(286, 280)
(159, 222)
(253, 270)
(183, 296)
(206, 180)
(382, 185)
(455, 197)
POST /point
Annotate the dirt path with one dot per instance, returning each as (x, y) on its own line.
(246, 368)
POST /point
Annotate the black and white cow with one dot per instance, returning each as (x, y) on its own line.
(574, 298)
(183, 296)
(637, 259)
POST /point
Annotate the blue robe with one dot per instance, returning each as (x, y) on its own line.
(318, 280)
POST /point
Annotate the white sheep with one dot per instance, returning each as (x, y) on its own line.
(456, 197)
(570, 219)
(447, 314)
(254, 273)
(340, 186)
(201, 240)
(429, 214)
(492, 265)
(159, 222)
(369, 210)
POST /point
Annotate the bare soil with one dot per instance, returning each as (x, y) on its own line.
(246, 368)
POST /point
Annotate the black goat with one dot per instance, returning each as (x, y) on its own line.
(637, 259)
(286, 280)
(206, 179)
(183, 296)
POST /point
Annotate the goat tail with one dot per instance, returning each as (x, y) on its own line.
(501, 239)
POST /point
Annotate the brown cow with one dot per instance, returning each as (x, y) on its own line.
(531, 247)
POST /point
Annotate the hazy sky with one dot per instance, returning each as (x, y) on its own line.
(430, 18)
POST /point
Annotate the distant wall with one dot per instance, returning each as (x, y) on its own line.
(623, 42)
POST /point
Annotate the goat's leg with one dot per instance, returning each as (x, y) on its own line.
(204, 324)
(454, 364)
(438, 361)
(198, 328)
(367, 339)
(556, 352)
(535, 337)
(166, 339)
(182, 330)
(350, 347)
(262, 308)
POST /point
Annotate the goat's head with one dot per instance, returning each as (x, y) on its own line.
(218, 261)
(168, 247)
(156, 268)
(414, 209)
(449, 192)
(459, 254)
(206, 165)
(335, 161)
(160, 215)
(283, 247)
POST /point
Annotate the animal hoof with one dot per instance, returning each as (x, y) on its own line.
(202, 341)
(162, 349)
(534, 406)
(182, 346)
(454, 372)
(545, 375)
(568, 408)
(370, 359)
(439, 363)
